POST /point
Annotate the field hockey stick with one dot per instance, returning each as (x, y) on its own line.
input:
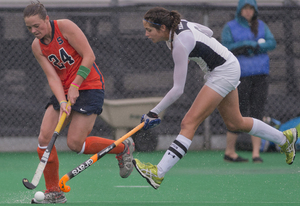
(73, 173)
(40, 169)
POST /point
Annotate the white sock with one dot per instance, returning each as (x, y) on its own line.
(265, 131)
(82, 149)
(176, 151)
(44, 147)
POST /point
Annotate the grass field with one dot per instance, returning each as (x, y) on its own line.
(200, 178)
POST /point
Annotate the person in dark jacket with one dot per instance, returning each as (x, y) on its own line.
(249, 39)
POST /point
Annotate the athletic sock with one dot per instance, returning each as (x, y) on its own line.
(265, 131)
(51, 173)
(175, 152)
(93, 145)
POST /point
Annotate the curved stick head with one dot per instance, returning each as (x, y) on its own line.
(27, 184)
(63, 187)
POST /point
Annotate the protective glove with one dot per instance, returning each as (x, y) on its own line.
(151, 120)
(247, 48)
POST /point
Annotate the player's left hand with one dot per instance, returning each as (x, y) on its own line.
(151, 120)
(73, 94)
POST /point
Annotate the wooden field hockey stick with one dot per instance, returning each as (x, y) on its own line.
(40, 169)
(93, 159)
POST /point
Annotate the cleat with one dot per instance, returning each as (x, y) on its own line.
(51, 197)
(289, 146)
(125, 158)
(149, 172)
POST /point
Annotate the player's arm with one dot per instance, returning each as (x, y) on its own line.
(180, 57)
(184, 45)
(79, 42)
(52, 77)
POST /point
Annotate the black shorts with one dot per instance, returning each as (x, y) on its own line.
(89, 102)
(253, 93)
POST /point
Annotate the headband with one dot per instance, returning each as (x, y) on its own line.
(152, 22)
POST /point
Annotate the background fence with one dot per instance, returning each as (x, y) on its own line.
(135, 67)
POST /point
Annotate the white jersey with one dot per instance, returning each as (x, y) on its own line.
(204, 49)
(194, 42)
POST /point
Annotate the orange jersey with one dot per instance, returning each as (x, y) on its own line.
(67, 61)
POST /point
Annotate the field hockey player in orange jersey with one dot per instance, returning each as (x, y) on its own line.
(64, 54)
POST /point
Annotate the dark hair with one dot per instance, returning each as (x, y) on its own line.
(254, 25)
(35, 8)
(254, 20)
(158, 16)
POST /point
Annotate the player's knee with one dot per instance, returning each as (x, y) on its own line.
(44, 139)
(75, 146)
(232, 127)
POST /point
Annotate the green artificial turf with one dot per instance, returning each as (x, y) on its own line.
(200, 178)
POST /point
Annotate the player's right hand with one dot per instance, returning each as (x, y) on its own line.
(64, 108)
(151, 120)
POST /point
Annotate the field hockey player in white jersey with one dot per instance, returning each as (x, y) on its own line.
(191, 41)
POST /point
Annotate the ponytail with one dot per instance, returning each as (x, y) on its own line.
(175, 16)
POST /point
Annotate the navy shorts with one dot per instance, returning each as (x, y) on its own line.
(89, 102)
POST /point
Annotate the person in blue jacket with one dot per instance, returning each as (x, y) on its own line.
(249, 39)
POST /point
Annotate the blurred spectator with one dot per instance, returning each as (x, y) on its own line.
(249, 39)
